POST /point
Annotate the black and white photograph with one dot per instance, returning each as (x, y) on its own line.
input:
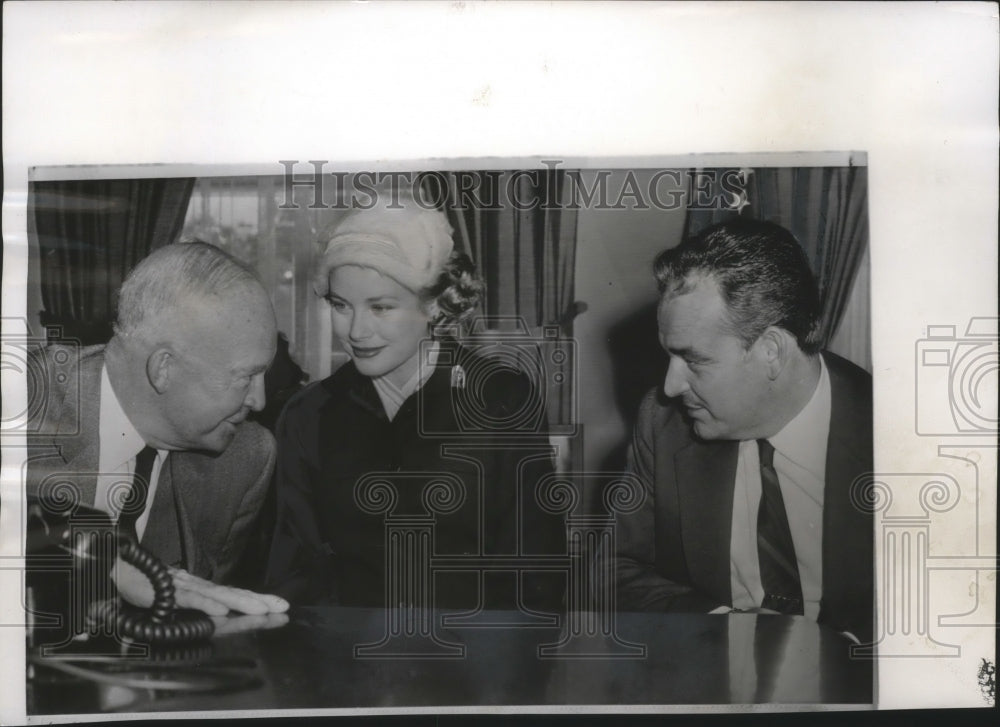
(386, 425)
(445, 438)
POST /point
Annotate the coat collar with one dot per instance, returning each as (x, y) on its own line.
(66, 441)
(848, 562)
(75, 435)
(169, 533)
(705, 474)
(706, 501)
(361, 389)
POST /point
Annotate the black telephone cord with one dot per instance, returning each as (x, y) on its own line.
(163, 623)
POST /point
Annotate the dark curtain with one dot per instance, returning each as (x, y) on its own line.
(826, 208)
(90, 235)
(519, 228)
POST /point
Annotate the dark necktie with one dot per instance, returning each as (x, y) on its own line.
(779, 572)
(135, 503)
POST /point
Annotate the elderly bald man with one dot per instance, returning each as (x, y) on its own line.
(152, 429)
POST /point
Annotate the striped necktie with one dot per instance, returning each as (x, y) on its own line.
(135, 503)
(779, 571)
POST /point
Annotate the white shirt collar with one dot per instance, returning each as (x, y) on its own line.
(799, 440)
(120, 442)
(393, 396)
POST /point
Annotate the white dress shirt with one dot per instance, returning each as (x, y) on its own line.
(119, 445)
(800, 461)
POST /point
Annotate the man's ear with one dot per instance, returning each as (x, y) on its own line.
(159, 367)
(773, 348)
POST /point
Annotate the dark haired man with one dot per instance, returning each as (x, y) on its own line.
(748, 464)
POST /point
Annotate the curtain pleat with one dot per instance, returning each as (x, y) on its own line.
(522, 240)
(90, 235)
(826, 209)
(849, 224)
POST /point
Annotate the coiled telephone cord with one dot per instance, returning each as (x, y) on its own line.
(163, 623)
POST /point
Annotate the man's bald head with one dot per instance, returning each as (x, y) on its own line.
(170, 280)
(194, 336)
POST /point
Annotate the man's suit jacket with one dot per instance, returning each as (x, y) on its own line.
(673, 553)
(205, 504)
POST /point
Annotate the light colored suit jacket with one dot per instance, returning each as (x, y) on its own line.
(673, 553)
(205, 505)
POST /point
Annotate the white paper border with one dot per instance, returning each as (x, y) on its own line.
(911, 84)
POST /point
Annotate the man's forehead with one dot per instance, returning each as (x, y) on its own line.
(209, 323)
(233, 354)
(228, 309)
(699, 305)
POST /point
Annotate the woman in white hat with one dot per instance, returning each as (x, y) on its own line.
(416, 406)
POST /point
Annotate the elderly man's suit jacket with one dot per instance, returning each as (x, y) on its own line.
(205, 504)
(673, 553)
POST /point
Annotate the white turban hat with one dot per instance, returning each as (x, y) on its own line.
(407, 243)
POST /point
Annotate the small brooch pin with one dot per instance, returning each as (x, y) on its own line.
(457, 377)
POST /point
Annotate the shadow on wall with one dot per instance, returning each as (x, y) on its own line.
(638, 364)
(281, 382)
